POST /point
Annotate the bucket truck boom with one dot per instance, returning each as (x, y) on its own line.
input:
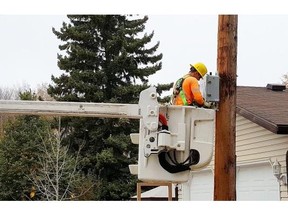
(165, 153)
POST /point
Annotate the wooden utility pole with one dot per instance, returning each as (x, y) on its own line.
(225, 158)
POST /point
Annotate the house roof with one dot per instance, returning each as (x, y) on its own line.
(265, 106)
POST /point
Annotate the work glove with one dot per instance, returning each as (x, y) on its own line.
(207, 104)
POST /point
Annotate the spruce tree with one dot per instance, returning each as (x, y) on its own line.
(108, 58)
(19, 151)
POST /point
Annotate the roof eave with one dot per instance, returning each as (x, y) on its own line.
(282, 129)
(274, 128)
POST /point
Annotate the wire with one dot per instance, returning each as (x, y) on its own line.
(173, 160)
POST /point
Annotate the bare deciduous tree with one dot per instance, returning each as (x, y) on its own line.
(42, 93)
(57, 176)
(285, 80)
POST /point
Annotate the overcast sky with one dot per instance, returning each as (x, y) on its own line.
(29, 49)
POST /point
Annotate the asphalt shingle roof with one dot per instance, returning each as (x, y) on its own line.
(265, 107)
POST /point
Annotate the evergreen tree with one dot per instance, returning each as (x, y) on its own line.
(19, 150)
(106, 60)
(18, 153)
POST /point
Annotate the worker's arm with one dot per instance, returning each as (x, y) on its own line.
(197, 93)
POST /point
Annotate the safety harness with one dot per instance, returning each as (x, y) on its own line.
(178, 90)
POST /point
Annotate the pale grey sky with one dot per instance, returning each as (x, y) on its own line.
(29, 48)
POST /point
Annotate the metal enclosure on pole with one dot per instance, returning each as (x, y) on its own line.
(225, 137)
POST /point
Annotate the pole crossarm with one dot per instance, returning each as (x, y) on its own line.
(80, 109)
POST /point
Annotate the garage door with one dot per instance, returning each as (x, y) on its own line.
(254, 182)
(257, 182)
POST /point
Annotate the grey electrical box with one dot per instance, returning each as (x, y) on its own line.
(212, 88)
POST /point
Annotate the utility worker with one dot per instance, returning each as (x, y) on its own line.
(188, 91)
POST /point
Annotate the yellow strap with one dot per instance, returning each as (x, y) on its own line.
(182, 96)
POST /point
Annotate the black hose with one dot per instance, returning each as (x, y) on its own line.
(193, 159)
(171, 168)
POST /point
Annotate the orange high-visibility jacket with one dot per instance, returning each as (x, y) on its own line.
(191, 90)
